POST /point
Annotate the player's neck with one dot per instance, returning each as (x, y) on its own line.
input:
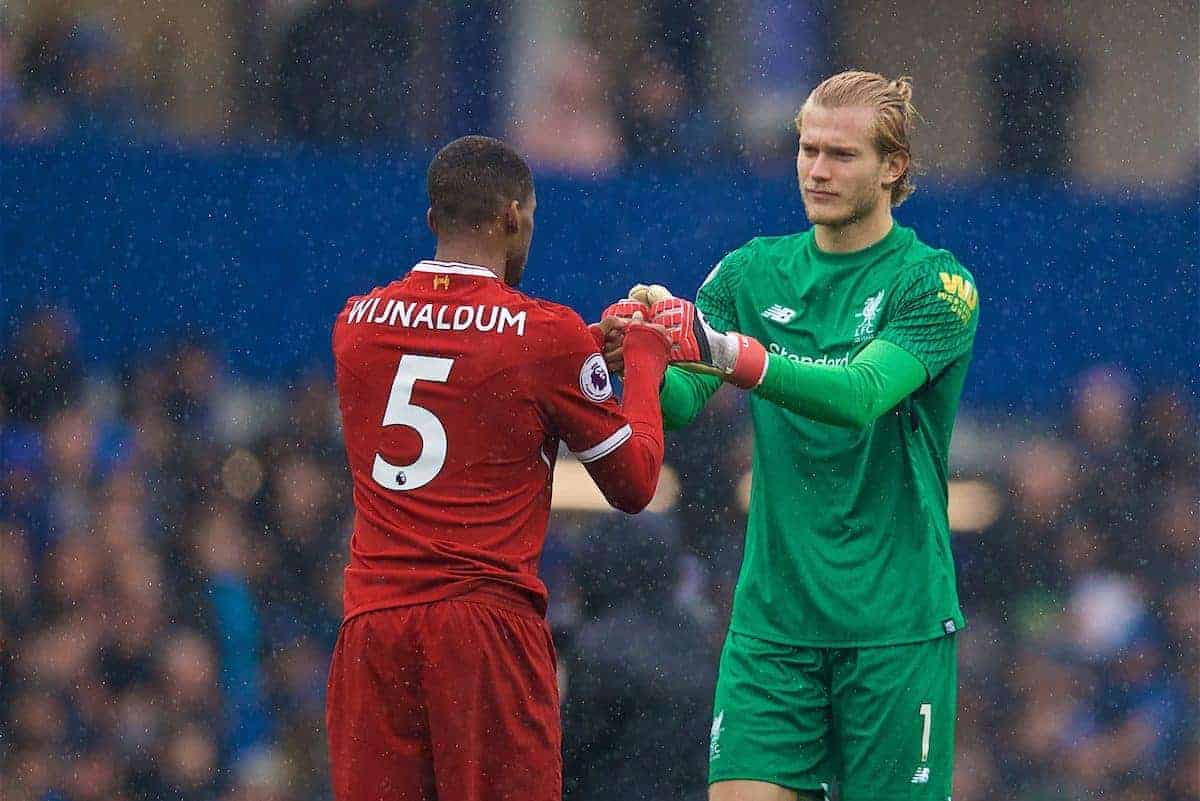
(855, 236)
(477, 253)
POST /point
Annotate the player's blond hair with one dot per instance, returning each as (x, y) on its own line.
(895, 115)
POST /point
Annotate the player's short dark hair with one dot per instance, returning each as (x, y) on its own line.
(473, 179)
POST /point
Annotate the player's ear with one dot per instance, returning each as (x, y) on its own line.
(894, 165)
(512, 217)
(431, 222)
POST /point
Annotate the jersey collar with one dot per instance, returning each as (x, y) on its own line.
(453, 268)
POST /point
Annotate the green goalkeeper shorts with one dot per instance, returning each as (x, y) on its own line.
(878, 722)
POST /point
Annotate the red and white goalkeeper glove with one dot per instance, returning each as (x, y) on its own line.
(738, 359)
(630, 309)
(639, 300)
(626, 308)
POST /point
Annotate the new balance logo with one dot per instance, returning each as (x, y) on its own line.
(779, 314)
(921, 776)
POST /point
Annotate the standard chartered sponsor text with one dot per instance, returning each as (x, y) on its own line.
(822, 359)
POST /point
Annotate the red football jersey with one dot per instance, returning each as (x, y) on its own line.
(455, 390)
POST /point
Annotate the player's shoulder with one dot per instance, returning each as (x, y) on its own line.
(759, 252)
(357, 305)
(925, 263)
(779, 242)
(350, 301)
(547, 320)
(930, 271)
(770, 247)
(544, 311)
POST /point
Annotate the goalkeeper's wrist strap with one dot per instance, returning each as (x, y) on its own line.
(749, 362)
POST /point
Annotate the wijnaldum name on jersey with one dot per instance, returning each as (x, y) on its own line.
(436, 316)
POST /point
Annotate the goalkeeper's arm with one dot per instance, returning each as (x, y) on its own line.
(852, 395)
(683, 395)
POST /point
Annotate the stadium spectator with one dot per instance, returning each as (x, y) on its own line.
(73, 81)
(638, 672)
(342, 76)
(571, 126)
(653, 109)
(10, 90)
(784, 48)
(711, 523)
(657, 77)
(40, 375)
(1034, 80)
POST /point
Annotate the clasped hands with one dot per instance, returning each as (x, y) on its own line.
(694, 345)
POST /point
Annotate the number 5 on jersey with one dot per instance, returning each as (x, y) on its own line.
(401, 412)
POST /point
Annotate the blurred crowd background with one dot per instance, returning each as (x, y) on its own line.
(170, 592)
(1107, 91)
(172, 534)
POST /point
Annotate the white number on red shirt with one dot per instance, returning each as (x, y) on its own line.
(402, 412)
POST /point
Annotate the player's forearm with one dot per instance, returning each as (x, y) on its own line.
(853, 395)
(628, 477)
(683, 396)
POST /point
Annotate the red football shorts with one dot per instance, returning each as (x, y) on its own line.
(449, 701)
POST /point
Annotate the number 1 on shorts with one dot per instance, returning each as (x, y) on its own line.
(927, 713)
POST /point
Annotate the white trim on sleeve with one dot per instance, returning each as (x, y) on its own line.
(607, 446)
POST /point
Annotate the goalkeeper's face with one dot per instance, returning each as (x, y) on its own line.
(842, 176)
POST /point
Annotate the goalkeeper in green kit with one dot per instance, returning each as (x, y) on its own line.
(853, 339)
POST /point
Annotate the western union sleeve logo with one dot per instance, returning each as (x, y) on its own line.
(960, 294)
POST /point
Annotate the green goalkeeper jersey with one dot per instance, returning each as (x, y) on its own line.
(848, 541)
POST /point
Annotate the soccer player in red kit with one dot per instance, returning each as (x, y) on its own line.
(455, 391)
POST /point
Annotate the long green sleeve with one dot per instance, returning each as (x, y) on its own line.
(852, 395)
(683, 396)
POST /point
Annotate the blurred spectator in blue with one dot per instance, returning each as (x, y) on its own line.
(1131, 724)
(72, 80)
(653, 110)
(1016, 566)
(1045, 719)
(681, 29)
(785, 46)
(713, 523)
(659, 85)
(10, 90)
(174, 396)
(640, 679)
(1104, 408)
(300, 517)
(1141, 708)
(1034, 80)
(1168, 432)
(40, 375)
(223, 559)
(457, 66)
(342, 76)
